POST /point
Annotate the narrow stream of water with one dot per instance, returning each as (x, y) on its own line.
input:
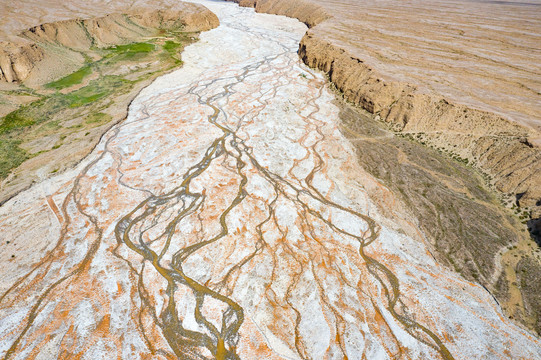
(227, 218)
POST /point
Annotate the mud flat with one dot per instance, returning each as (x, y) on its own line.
(227, 218)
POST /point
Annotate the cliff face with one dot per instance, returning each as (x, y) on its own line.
(19, 60)
(304, 11)
(497, 146)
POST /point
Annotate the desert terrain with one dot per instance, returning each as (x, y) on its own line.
(199, 180)
(461, 77)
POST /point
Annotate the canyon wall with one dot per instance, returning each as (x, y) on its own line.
(499, 147)
(505, 150)
(304, 11)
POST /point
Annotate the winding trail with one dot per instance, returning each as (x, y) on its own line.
(227, 218)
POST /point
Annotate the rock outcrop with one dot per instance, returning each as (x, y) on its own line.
(304, 11)
(18, 60)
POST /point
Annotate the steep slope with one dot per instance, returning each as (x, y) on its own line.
(32, 59)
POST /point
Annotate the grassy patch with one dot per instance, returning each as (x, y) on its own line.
(96, 90)
(11, 156)
(16, 119)
(97, 118)
(72, 79)
(45, 109)
(171, 47)
(130, 52)
(141, 47)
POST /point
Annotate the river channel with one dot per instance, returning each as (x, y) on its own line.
(227, 218)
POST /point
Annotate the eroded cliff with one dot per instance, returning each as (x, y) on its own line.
(497, 146)
(38, 48)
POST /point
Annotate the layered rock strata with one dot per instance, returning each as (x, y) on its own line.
(304, 11)
(17, 60)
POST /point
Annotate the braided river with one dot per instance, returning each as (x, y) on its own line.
(227, 218)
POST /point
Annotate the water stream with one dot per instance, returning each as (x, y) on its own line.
(227, 218)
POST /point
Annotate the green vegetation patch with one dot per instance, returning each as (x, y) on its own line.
(172, 50)
(72, 79)
(46, 108)
(141, 47)
(130, 52)
(24, 116)
(171, 46)
(96, 90)
(48, 114)
(11, 156)
(98, 118)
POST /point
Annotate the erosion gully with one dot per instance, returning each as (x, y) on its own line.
(227, 218)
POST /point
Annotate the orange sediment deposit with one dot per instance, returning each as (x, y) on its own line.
(54, 209)
(228, 217)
